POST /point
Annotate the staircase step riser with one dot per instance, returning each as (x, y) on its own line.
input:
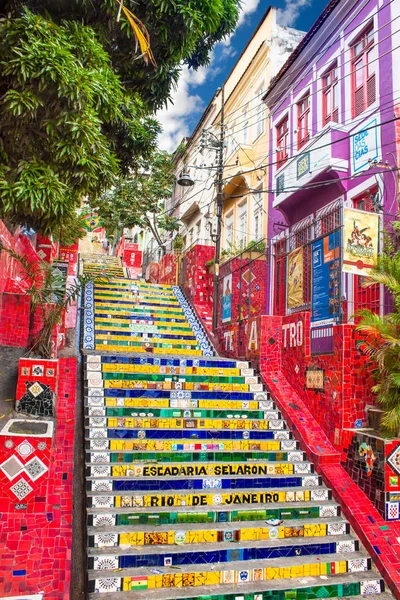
(178, 484)
(171, 413)
(196, 470)
(183, 424)
(181, 434)
(189, 446)
(221, 577)
(213, 516)
(118, 457)
(218, 497)
(110, 539)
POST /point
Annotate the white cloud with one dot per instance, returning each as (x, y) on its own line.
(291, 10)
(174, 119)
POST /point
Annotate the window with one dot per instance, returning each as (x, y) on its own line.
(198, 229)
(191, 236)
(242, 225)
(257, 229)
(282, 142)
(229, 230)
(245, 125)
(280, 255)
(259, 126)
(303, 121)
(364, 54)
(232, 138)
(330, 96)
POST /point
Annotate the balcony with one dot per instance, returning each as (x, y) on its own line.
(324, 157)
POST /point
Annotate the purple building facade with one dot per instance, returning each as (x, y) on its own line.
(333, 124)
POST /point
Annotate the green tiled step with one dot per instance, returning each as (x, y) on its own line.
(168, 413)
(175, 377)
(143, 310)
(193, 514)
(126, 457)
(135, 296)
(341, 586)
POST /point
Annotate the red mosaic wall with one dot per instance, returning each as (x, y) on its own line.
(340, 403)
(241, 336)
(36, 540)
(14, 320)
(168, 269)
(198, 280)
(153, 272)
(58, 337)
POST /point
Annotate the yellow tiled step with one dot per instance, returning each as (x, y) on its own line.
(181, 325)
(173, 423)
(161, 370)
(190, 445)
(118, 348)
(153, 340)
(165, 403)
(144, 385)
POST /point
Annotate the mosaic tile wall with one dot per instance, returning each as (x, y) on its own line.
(168, 269)
(36, 496)
(14, 320)
(336, 386)
(36, 387)
(198, 280)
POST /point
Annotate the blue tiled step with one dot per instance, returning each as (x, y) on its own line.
(119, 484)
(183, 394)
(249, 551)
(171, 362)
(195, 434)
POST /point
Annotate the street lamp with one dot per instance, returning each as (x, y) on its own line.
(185, 180)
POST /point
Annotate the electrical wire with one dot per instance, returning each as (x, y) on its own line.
(321, 52)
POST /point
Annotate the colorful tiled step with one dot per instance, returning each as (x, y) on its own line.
(354, 586)
(195, 533)
(101, 517)
(196, 488)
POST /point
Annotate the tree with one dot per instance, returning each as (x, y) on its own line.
(67, 125)
(138, 200)
(382, 342)
(180, 33)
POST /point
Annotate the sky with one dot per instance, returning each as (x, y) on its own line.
(196, 88)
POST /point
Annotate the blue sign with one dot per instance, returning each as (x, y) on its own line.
(326, 273)
(364, 145)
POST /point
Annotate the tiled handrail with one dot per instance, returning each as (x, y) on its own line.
(197, 327)
(88, 318)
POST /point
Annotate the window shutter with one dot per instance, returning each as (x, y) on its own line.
(371, 90)
(359, 101)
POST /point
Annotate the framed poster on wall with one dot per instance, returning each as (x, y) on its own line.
(227, 298)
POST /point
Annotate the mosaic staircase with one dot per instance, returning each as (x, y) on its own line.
(196, 489)
(101, 265)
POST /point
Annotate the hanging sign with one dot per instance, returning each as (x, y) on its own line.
(295, 296)
(360, 241)
(227, 298)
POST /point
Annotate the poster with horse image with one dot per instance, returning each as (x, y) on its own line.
(360, 241)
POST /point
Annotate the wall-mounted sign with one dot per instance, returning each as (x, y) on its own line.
(303, 165)
(227, 298)
(325, 288)
(360, 241)
(315, 379)
(295, 296)
(364, 144)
